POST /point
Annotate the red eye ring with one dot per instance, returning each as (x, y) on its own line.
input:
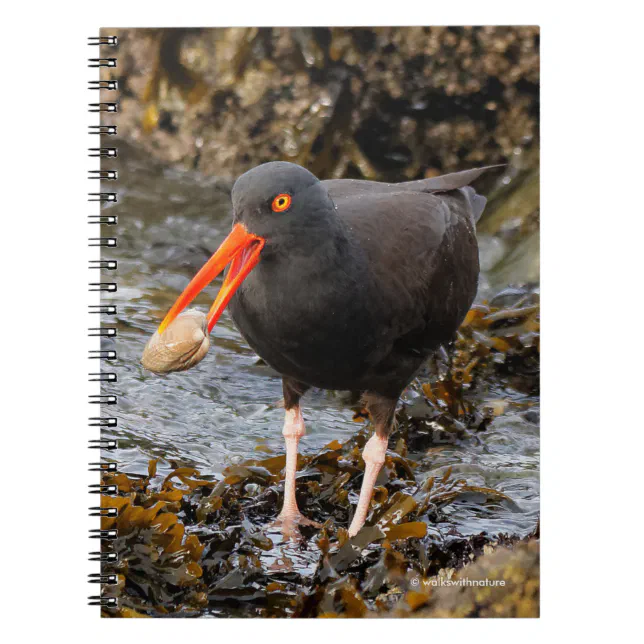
(281, 203)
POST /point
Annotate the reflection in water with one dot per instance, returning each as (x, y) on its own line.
(225, 410)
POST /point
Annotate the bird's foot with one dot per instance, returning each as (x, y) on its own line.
(290, 522)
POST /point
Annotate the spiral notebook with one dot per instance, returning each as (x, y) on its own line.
(318, 321)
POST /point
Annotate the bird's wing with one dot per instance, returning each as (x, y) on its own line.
(339, 188)
(411, 239)
(447, 182)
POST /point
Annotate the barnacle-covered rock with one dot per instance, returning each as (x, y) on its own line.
(386, 103)
(503, 582)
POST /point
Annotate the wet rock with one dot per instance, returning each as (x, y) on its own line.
(501, 583)
(382, 103)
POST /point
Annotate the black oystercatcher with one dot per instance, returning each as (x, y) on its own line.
(339, 284)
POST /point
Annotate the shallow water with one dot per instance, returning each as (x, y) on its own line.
(225, 410)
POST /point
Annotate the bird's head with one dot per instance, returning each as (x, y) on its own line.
(280, 200)
(275, 205)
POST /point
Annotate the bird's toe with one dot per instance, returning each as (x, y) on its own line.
(289, 523)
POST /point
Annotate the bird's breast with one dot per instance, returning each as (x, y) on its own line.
(309, 326)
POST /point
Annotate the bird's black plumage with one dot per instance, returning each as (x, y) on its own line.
(358, 281)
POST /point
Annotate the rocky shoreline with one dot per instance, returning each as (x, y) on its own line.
(378, 103)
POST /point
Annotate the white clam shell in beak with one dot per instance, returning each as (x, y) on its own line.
(183, 344)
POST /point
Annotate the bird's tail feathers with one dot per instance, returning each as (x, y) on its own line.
(477, 202)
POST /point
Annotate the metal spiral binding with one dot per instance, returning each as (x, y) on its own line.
(103, 355)
(103, 40)
(104, 175)
(102, 309)
(101, 579)
(108, 535)
(103, 152)
(108, 220)
(103, 84)
(109, 130)
(103, 421)
(102, 196)
(102, 377)
(103, 264)
(98, 511)
(102, 62)
(100, 399)
(103, 467)
(102, 241)
(104, 443)
(103, 107)
(97, 600)
(102, 332)
(108, 287)
(104, 490)
(105, 555)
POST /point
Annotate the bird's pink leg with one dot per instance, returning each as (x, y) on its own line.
(294, 429)
(374, 456)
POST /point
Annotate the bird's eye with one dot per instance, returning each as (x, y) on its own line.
(281, 203)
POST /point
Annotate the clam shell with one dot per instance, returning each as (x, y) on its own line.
(183, 344)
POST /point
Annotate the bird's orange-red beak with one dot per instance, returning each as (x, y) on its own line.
(242, 249)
